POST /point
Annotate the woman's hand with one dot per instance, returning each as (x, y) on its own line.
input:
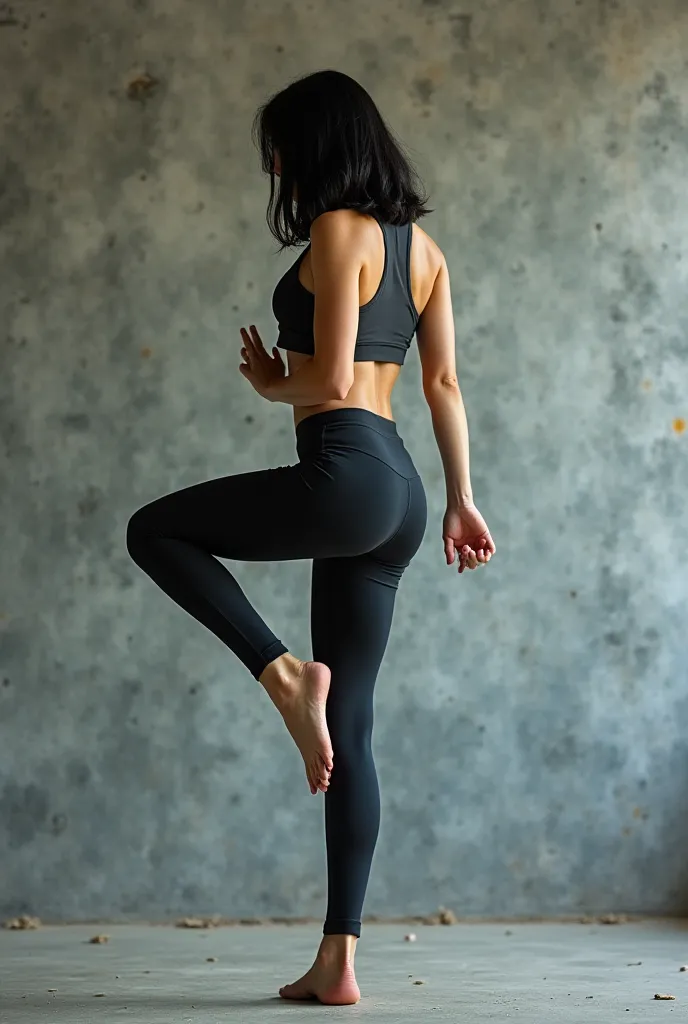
(465, 533)
(260, 369)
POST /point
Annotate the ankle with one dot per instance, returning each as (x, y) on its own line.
(337, 949)
(278, 677)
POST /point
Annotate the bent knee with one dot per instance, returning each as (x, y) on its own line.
(138, 533)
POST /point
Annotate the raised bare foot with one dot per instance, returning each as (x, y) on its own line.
(299, 689)
(331, 979)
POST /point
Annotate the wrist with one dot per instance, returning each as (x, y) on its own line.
(460, 499)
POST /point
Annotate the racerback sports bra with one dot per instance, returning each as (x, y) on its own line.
(386, 324)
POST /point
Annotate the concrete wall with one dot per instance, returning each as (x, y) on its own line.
(532, 718)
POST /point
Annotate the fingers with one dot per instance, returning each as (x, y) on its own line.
(471, 559)
(259, 366)
(251, 368)
(258, 341)
(488, 544)
(479, 554)
(253, 339)
(468, 558)
(251, 346)
(247, 351)
(249, 343)
(255, 354)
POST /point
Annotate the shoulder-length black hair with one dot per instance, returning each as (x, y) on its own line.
(335, 151)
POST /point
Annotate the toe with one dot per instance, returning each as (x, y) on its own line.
(294, 992)
(320, 775)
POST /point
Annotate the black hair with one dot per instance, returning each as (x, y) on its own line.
(335, 151)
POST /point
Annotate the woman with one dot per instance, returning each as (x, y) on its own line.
(353, 502)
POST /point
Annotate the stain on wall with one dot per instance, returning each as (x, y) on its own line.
(532, 719)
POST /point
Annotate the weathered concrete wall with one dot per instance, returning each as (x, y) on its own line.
(532, 718)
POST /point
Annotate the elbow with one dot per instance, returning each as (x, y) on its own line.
(441, 388)
(337, 388)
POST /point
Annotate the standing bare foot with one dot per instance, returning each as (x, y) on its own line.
(331, 979)
(299, 689)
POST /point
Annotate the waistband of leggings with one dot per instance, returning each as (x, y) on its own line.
(362, 417)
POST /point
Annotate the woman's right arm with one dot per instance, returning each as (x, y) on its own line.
(464, 530)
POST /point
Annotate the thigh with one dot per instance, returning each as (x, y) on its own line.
(320, 508)
(262, 515)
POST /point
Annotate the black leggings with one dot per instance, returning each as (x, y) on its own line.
(355, 504)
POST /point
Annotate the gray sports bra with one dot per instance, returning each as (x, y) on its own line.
(386, 324)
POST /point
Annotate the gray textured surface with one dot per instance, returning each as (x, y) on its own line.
(533, 973)
(532, 719)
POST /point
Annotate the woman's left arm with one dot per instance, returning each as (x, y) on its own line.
(336, 262)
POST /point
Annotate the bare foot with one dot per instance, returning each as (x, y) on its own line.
(331, 979)
(299, 689)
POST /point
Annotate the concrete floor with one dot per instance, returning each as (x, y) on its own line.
(537, 973)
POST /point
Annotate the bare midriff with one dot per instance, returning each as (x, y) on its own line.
(371, 389)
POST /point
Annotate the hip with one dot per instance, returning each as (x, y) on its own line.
(352, 437)
(359, 477)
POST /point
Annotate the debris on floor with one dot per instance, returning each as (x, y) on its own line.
(211, 959)
(99, 995)
(637, 963)
(684, 968)
(23, 923)
(198, 922)
(291, 920)
(411, 937)
(99, 940)
(52, 990)
(613, 918)
(658, 995)
(141, 87)
(441, 916)
(419, 983)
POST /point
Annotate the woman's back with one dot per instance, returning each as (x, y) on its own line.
(374, 379)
